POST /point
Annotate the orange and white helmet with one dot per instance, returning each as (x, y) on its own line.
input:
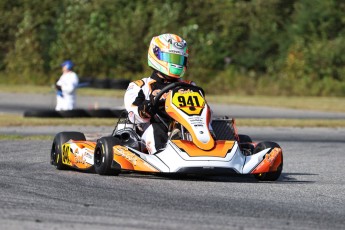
(168, 54)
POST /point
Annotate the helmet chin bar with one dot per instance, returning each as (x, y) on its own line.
(162, 75)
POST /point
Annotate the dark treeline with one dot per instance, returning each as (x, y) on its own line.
(272, 47)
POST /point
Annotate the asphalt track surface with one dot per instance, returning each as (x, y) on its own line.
(310, 194)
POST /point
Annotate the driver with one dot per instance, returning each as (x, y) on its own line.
(167, 56)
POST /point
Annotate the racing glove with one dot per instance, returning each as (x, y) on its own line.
(145, 109)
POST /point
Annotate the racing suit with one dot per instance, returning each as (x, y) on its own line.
(66, 87)
(138, 98)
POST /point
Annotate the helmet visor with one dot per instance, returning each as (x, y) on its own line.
(173, 58)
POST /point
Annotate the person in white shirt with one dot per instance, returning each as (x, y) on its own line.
(66, 87)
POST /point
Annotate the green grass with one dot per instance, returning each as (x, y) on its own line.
(47, 90)
(17, 120)
(291, 123)
(25, 89)
(328, 104)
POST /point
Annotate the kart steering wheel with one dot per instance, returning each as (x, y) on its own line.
(155, 103)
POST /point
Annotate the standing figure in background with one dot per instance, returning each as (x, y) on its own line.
(66, 87)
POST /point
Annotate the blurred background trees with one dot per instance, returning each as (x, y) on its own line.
(270, 47)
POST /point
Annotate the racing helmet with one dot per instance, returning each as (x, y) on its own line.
(68, 63)
(168, 54)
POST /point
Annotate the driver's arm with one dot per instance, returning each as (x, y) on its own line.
(136, 103)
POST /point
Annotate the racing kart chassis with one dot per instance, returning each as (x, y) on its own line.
(191, 147)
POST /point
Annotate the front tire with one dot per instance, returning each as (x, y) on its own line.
(103, 156)
(269, 176)
(56, 150)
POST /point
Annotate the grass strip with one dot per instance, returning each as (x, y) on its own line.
(47, 90)
(301, 123)
(325, 104)
(329, 104)
(17, 120)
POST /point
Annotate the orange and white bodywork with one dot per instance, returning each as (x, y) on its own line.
(78, 154)
(179, 157)
(272, 159)
(131, 161)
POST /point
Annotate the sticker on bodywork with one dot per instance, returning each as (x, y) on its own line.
(191, 103)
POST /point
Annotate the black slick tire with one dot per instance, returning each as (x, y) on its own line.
(269, 176)
(56, 150)
(103, 156)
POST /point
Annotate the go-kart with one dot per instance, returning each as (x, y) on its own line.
(192, 146)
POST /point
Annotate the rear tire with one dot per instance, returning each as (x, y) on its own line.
(246, 145)
(269, 176)
(56, 150)
(103, 156)
(244, 138)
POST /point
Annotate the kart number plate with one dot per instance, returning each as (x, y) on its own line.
(192, 103)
